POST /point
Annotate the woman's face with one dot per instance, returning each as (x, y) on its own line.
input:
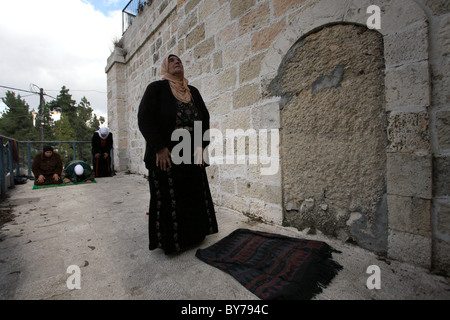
(175, 66)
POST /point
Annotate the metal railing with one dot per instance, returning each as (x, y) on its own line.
(132, 9)
(17, 155)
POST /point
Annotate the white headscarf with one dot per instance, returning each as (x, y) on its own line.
(103, 133)
(79, 170)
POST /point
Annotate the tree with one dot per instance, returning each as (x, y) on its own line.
(77, 123)
(17, 121)
(81, 119)
(64, 132)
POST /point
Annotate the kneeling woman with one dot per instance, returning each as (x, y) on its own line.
(181, 210)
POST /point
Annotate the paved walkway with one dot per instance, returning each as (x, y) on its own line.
(102, 229)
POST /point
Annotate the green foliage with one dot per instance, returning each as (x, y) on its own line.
(17, 120)
(77, 122)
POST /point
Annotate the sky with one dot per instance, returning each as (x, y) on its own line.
(54, 43)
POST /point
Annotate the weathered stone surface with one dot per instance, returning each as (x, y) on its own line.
(438, 7)
(246, 96)
(409, 175)
(441, 176)
(443, 129)
(250, 69)
(282, 6)
(410, 247)
(441, 258)
(342, 175)
(204, 48)
(443, 217)
(195, 36)
(410, 214)
(402, 47)
(408, 86)
(334, 132)
(408, 132)
(239, 7)
(263, 39)
(255, 19)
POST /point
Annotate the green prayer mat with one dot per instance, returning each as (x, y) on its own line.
(62, 185)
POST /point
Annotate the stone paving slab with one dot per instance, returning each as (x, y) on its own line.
(102, 229)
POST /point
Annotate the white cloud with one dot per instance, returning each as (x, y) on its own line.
(52, 43)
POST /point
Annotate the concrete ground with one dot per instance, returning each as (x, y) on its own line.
(102, 229)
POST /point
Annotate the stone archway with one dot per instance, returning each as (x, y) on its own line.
(333, 134)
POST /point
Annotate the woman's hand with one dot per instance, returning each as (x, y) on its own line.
(198, 155)
(40, 178)
(163, 159)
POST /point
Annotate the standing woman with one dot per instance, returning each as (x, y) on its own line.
(102, 143)
(181, 210)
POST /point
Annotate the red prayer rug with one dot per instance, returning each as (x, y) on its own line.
(274, 266)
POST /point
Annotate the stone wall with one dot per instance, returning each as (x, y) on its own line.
(334, 140)
(234, 50)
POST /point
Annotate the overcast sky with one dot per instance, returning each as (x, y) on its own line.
(53, 43)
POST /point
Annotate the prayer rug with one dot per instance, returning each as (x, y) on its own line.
(273, 266)
(61, 185)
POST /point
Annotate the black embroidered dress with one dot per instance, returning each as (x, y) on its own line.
(181, 208)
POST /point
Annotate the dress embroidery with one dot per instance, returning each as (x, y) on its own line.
(187, 114)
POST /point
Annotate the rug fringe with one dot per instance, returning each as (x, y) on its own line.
(320, 272)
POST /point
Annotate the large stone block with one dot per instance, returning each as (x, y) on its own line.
(441, 256)
(441, 176)
(280, 7)
(408, 132)
(442, 207)
(204, 49)
(195, 36)
(235, 203)
(235, 50)
(443, 129)
(250, 69)
(409, 175)
(410, 214)
(409, 247)
(439, 7)
(407, 46)
(216, 21)
(266, 116)
(258, 190)
(220, 105)
(238, 119)
(227, 79)
(262, 39)
(408, 87)
(267, 212)
(246, 96)
(255, 19)
(239, 7)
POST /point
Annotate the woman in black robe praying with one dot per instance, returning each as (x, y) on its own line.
(102, 144)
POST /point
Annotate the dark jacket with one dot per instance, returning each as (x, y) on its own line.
(157, 118)
(47, 166)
